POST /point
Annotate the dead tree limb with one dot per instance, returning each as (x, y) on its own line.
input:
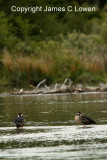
(40, 83)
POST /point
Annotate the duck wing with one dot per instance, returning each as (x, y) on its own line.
(86, 120)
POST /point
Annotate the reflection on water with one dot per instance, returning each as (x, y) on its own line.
(50, 131)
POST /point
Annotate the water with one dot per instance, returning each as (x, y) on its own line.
(50, 131)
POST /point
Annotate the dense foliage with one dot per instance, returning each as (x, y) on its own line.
(54, 45)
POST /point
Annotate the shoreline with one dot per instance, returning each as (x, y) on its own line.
(78, 89)
(58, 94)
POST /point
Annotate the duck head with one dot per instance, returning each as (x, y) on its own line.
(78, 113)
(20, 115)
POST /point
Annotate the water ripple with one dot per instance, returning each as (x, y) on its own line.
(60, 142)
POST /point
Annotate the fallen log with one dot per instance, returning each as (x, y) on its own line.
(65, 87)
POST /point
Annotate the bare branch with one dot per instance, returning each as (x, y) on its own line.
(40, 83)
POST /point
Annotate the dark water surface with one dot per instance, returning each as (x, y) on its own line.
(50, 131)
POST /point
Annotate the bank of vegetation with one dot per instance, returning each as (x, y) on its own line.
(53, 46)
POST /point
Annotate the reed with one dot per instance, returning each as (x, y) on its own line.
(7, 61)
(95, 64)
(68, 57)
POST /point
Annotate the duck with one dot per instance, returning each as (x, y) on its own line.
(83, 119)
(19, 121)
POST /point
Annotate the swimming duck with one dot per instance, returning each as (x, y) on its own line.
(19, 120)
(82, 119)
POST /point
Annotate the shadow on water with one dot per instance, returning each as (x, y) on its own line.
(50, 131)
(18, 131)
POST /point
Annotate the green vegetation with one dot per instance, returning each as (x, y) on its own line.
(54, 46)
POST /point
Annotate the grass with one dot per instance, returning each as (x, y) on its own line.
(77, 56)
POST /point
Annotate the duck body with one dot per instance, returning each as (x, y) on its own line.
(19, 121)
(82, 119)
